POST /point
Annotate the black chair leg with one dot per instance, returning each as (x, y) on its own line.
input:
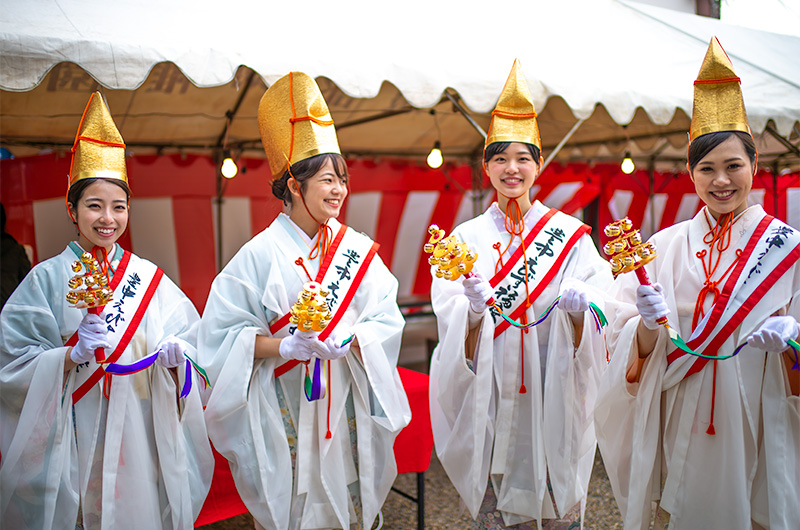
(421, 501)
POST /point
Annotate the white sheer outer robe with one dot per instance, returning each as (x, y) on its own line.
(256, 288)
(654, 432)
(482, 425)
(140, 459)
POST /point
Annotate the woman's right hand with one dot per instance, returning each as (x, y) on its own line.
(651, 305)
(300, 346)
(478, 291)
(92, 334)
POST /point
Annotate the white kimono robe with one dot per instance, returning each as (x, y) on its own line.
(140, 459)
(482, 426)
(652, 434)
(256, 288)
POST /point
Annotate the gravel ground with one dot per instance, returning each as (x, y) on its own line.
(442, 506)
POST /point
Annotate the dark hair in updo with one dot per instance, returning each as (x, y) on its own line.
(304, 170)
(702, 145)
(77, 190)
(498, 147)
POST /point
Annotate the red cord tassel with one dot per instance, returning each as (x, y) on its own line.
(522, 389)
(330, 396)
(107, 385)
(711, 430)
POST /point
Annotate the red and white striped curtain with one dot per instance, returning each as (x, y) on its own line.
(173, 219)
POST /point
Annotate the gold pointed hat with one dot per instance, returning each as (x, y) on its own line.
(718, 103)
(514, 117)
(99, 150)
(295, 122)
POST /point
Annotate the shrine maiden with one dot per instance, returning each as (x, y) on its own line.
(301, 463)
(709, 443)
(512, 409)
(82, 448)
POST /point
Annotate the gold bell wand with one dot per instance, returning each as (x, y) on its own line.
(629, 253)
(311, 312)
(89, 290)
(451, 257)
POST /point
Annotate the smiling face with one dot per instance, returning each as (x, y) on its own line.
(101, 213)
(723, 178)
(324, 194)
(512, 173)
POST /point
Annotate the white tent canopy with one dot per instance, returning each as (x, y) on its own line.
(608, 62)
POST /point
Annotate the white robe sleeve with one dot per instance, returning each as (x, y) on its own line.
(571, 382)
(461, 400)
(627, 416)
(184, 454)
(381, 405)
(781, 449)
(242, 415)
(38, 483)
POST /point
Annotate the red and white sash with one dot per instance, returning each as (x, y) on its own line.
(340, 273)
(134, 286)
(547, 246)
(772, 249)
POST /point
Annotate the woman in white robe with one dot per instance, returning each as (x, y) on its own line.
(298, 464)
(124, 451)
(711, 444)
(512, 410)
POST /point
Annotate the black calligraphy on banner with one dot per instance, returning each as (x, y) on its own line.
(546, 249)
(778, 237)
(343, 272)
(116, 315)
(506, 295)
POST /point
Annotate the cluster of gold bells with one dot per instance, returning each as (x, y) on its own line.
(311, 312)
(95, 292)
(451, 257)
(626, 250)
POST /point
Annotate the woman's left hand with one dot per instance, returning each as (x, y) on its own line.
(171, 353)
(574, 296)
(332, 348)
(773, 334)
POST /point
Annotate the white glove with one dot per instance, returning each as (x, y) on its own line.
(301, 346)
(773, 334)
(171, 352)
(332, 348)
(574, 298)
(92, 334)
(651, 304)
(478, 291)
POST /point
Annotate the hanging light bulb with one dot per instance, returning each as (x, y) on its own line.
(435, 158)
(228, 168)
(627, 165)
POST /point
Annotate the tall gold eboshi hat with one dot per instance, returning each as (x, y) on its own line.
(514, 117)
(99, 150)
(295, 122)
(718, 103)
